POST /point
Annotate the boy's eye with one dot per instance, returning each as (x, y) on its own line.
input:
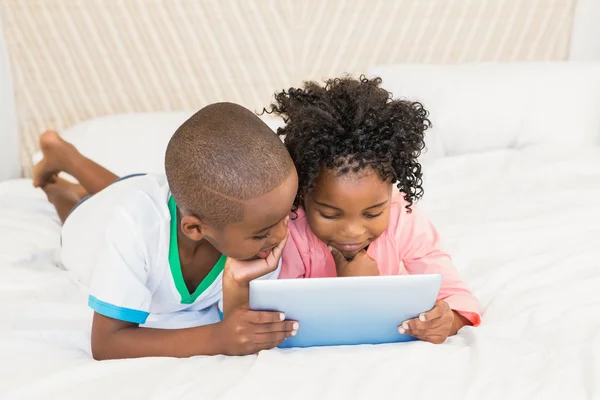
(328, 216)
(371, 216)
(261, 237)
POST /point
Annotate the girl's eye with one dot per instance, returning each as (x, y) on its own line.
(372, 216)
(261, 237)
(328, 216)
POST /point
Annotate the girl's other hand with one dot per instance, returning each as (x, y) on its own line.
(435, 325)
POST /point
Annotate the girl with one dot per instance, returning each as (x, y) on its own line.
(351, 142)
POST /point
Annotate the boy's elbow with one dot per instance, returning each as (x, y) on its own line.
(102, 351)
(98, 352)
(105, 339)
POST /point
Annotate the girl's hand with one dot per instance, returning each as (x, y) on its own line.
(360, 265)
(435, 325)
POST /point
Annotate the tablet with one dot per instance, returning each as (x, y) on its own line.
(347, 311)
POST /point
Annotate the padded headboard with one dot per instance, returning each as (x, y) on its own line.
(10, 165)
(73, 60)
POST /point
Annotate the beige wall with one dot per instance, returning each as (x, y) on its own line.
(73, 60)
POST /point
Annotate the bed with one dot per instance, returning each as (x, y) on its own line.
(528, 243)
(512, 181)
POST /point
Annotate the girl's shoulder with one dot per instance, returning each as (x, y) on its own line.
(300, 230)
(304, 255)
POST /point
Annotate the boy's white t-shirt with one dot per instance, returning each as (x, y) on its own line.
(120, 242)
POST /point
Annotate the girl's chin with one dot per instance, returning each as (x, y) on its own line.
(349, 255)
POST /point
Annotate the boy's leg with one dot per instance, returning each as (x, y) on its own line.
(61, 156)
(64, 195)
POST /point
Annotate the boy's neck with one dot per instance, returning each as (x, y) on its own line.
(197, 258)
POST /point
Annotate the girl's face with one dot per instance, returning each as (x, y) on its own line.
(350, 211)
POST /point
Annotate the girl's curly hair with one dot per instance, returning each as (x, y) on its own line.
(350, 124)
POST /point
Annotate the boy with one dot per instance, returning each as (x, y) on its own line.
(164, 252)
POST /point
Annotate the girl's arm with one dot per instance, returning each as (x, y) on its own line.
(419, 244)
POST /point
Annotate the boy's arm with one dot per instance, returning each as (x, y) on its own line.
(243, 332)
(121, 297)
(115, 339)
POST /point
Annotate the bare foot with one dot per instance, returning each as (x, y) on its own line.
(57, 157)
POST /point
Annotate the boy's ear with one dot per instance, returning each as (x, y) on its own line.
(193, 227)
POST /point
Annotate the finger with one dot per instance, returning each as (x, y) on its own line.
(361, 255)
(420, 329)
(423, 332)
(280, 332)
(245, 271)
(407, 326)
(272, 337)
(438, 311)
(338, 258)
(434, 314)
(282, 326)
(273, 257)
(415, 325)
(265, 317)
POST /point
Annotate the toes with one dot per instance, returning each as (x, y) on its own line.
(43, 174)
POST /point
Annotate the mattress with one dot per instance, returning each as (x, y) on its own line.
(523, 228)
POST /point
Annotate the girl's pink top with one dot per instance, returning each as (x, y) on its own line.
(409, 245)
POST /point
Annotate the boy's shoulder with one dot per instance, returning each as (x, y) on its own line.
(149, 189)
(128, 218)
(141, 200)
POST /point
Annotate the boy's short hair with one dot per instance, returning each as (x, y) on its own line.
(222, 155)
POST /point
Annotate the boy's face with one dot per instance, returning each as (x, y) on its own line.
(349, 212)
(262, 227)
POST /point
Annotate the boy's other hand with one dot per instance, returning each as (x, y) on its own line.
(435, 325)
(360, 265)
(247, 332)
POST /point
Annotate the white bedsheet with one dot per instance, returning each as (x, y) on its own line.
(524, 229)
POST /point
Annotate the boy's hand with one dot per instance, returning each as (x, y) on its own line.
(360, 265)
(435, 325)
(247, 332)
(240, 273)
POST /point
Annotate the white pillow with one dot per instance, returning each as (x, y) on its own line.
(130, 143)
(482, 107)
